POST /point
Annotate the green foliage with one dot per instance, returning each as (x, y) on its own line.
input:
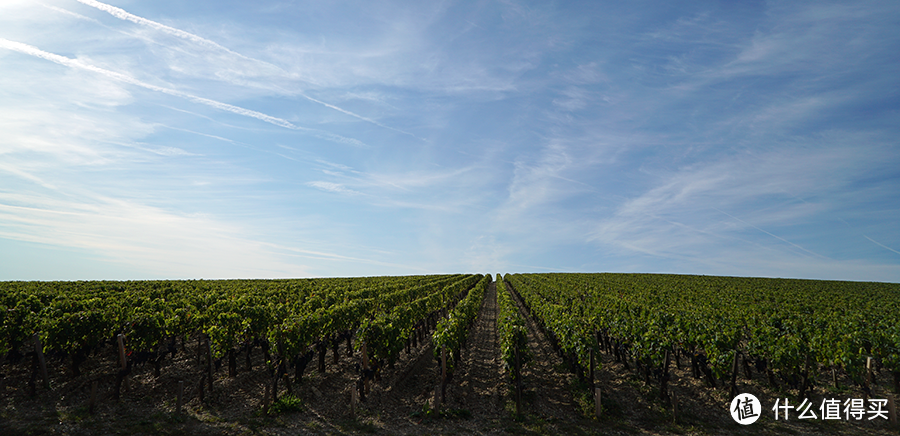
(788, 323)
(511, 328)
(386, 333)
(286, 404)
(791, 324)
(290, 315)
(428, 413)
(451, 332)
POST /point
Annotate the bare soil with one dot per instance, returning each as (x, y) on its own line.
(479, 398)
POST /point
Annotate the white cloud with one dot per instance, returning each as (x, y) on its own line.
(123, 15)
(258, 74)
(547, 179)
(702, 213)
(75, 63)
(678, 141)
(332, 187)
(572, 99)
(799, 37)
(161, 243)
(71, 14)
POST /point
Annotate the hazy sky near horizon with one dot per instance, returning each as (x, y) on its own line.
(162, 139)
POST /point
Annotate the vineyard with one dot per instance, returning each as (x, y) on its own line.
(532, 353)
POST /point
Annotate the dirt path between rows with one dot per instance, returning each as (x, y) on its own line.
(545, 378)
(477, 384)
(473, 402)
(479, 398)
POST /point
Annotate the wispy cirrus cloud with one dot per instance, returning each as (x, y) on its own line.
(754, 201)
(124, 15)
(134, 234)
(332, 187)
(71, 14)
(266, 75)
(75, 63)
(368, 120)
(739, 138)
(400, 181)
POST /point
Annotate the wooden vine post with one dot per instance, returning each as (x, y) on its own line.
(804, 382)
(869, 372)
(518, 375)
(121, 341)
(287, 378)
(443, 373)
(335, 342)
(598, 403)
(437, 397)
(93, 402)
(365, 367)
(892, 411)
(674, 408)
(209, 364)
(123, 361)
(734, 371)
(353, 401)
(180, 398)
(42, 362)
(664, 381)
(867, 391)
(321, 347)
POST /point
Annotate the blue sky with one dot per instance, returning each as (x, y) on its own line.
(263, 139)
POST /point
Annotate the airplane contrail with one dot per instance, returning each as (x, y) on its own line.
(770, 234)
(125, 15)
(358, 116)
(70, 13)
(75, 63)
(881, 245)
